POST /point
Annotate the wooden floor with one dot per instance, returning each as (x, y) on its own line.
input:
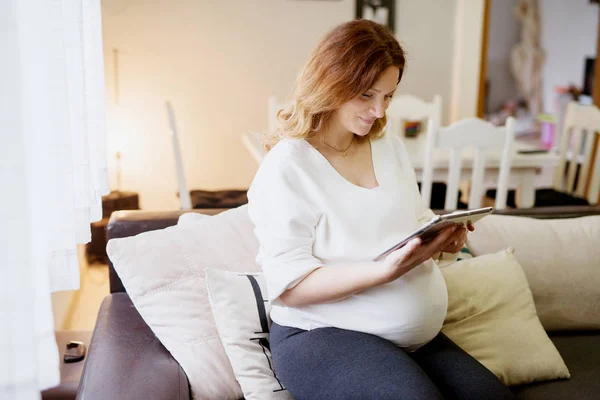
(77, 310)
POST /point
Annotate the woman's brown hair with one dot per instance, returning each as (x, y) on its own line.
(346, 62)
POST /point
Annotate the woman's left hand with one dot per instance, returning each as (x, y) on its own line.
(456, 242)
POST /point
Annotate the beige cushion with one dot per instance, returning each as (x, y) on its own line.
(241, 311)
(561, 259)
(491, 316)
(163, 272)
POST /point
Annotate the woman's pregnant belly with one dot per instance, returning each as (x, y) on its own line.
(409, 311)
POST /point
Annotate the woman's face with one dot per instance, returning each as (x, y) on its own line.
(359, 114)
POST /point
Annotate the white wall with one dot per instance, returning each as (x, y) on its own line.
(503, 34)
(217, 62)
(569, 32)
(426, 30)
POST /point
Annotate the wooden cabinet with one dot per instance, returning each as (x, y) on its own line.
(117, 200)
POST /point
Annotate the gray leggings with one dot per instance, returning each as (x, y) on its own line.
(331, 363)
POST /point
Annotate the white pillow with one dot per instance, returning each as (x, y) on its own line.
(163, 273)
(492, 317)
(561, 259)
(241, 311)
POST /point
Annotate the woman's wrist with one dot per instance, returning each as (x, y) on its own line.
(386, 272)
(383, 274)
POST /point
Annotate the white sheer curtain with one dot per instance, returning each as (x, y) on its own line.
(52, 174)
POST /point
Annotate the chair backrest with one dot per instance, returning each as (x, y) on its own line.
(254, 145)
(410, 108)
(251, 141)
(274, 105)
(579, 119)
(476, 134)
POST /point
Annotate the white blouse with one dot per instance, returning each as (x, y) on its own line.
(306, 215)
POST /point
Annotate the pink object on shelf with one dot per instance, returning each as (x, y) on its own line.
(548, 134)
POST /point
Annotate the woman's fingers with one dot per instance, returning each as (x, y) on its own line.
(409, 249)
(425, 251)
(441, 240)
(458, 237)
(456, 241)
(406, 252)
(450, 240)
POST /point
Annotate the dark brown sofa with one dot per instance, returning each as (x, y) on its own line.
(126, 361)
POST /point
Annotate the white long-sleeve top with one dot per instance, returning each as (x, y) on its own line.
(306, 215)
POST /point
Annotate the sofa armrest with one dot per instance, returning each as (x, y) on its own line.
(126, 360)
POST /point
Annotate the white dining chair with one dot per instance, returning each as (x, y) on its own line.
(253, 144)
(406, 107)
(251, 141)
(579, 119)
(273, 107)
(479, 136)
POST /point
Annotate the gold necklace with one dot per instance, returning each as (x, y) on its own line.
(343, 152)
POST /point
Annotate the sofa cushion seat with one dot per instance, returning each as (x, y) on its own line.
(581, 352)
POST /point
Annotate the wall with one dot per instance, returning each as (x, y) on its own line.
(425, 28)
(568, 34)
(503, 34)
(217, 62)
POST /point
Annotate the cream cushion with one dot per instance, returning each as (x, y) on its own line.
(492, 317)
(241, 311)
(561, 259)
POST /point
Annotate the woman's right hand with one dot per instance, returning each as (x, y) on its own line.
(413, 254)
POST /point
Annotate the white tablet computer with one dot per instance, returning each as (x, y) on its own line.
(437, 224)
